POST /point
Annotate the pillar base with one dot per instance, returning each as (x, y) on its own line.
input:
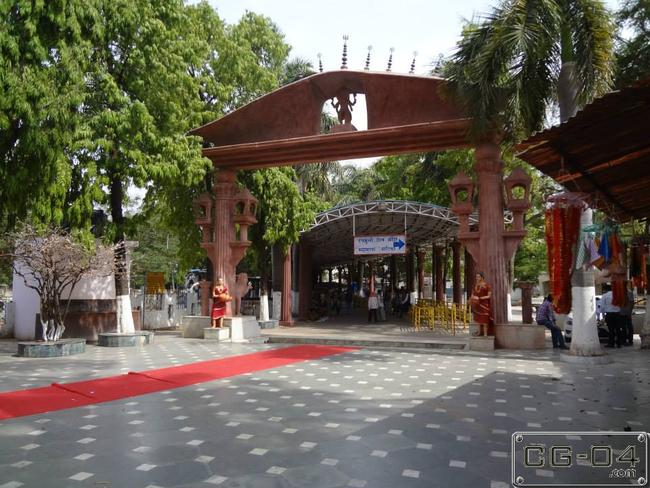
(586, 360)
(645, 341)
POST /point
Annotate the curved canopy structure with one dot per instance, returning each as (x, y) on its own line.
(406, 113)
(331, 235)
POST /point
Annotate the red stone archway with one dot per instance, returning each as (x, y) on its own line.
(405, 113)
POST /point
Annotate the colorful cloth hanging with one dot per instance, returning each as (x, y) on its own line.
(562, 229)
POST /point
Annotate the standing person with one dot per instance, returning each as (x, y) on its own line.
(405, 302)
(349, 298)
(546, 317)
(612, 317)
(220, 298)
(626, 327)
(482, 304)
(373, 305)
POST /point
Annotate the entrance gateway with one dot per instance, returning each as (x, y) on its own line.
(406, 113)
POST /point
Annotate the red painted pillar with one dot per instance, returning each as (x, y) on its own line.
(371, 277)
(526, 301)
(457, 285)
(205, 289)
(440, 280)
(470, 272)
(393, 273)
(224, 230)
(304, 282)
(409, 271)
(493, 260)
(421, 256)
(285, 313)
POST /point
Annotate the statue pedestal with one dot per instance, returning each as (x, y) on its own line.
(243, 328)
(217, 334)
(520, 336)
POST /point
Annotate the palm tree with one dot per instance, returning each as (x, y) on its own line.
(529, 55)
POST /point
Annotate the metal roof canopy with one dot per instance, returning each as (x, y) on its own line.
(604, 151)
(331, 235)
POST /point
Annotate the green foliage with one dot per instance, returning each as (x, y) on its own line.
(505, 72)
(42, 48)
(633, 53)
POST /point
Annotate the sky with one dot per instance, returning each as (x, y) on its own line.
(428, 27)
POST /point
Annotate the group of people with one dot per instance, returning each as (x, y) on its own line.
(618, 318)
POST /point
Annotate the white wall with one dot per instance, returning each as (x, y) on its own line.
(27, 303)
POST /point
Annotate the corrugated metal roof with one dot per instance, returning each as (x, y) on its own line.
(604, 151)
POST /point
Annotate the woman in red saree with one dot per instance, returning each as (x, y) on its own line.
(481, 304)
(220, 298)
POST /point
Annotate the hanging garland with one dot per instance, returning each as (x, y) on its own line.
(562, 227)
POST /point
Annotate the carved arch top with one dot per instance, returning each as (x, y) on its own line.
(294, 110)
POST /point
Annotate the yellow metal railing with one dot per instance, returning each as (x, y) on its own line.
(446, 317)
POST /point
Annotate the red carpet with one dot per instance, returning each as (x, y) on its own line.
(69, 395)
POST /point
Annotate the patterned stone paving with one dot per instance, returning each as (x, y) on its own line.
(368, 418)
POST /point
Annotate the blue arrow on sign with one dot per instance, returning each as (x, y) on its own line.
(399, 244)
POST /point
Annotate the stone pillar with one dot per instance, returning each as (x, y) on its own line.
(440, 280)
(329, 275)
(584, 334)
(304, 282)
(470, 274)
(493, 259)
(457, 285)
(421, 256)
(224, 190)
(371, 277)
(205, 289)
(285, 314)
(526, 301)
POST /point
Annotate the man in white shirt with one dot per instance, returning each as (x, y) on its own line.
(612, 317)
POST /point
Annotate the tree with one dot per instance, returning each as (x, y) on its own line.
(42, 54)
(633, 51)
(52, 263)
(282, 213)
(527, 55)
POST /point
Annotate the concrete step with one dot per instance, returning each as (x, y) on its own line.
(428, 344)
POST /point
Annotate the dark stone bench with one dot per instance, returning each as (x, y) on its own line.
(53, 349)
(113, 339)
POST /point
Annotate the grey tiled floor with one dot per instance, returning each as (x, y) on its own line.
(368, 418)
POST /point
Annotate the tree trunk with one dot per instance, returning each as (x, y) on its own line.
(122, 299)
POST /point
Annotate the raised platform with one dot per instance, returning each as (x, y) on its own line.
(53, 349)
(389, 343)
(193, 326)
(243, 328)
(114, 339)
(481, 343)
(217, 334)
(520, 336)
(268, 324)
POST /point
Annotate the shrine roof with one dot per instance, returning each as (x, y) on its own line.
(405, 113)
(604, 151)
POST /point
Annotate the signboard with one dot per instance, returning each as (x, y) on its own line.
(155, 283)
(387, 244)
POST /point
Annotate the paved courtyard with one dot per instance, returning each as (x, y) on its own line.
(365, 418)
